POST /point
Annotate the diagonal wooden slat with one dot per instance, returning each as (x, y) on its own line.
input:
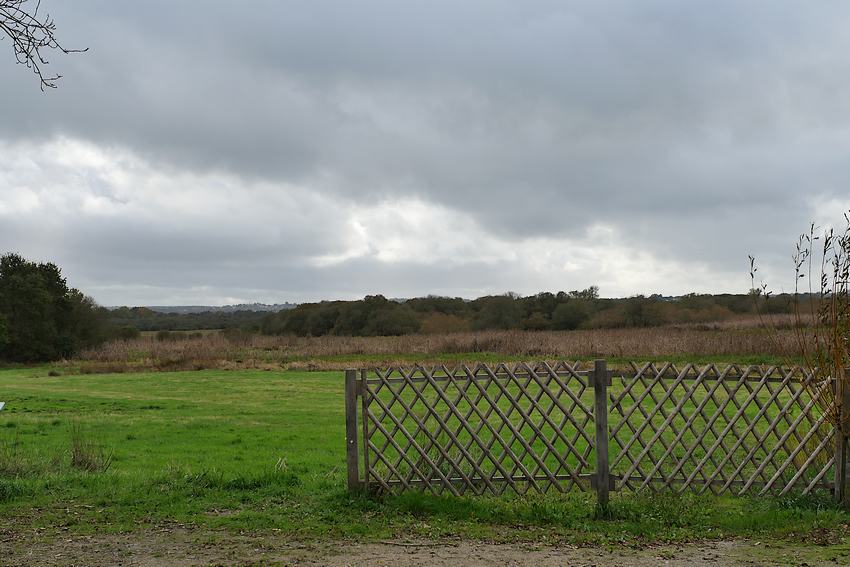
(769, 429)
(730, 441)
(421, 453)
(708, 423)
(474, 420)
(497, 463)
(519, 427)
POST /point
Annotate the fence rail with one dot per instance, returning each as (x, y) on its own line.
(559, 427)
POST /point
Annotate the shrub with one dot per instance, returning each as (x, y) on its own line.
(536, 322)
(127, 333)
(498, 312)
(570, 315)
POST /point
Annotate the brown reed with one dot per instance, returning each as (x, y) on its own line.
(337, 352)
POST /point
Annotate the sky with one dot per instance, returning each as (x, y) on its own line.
(210, 153)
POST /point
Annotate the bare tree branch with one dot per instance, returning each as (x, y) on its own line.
(31, 36)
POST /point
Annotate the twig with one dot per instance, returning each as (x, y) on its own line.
(30, 35)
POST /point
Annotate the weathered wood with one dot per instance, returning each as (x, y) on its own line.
(621, 374)
(507, 376)
(740, 436)
(771, 428)
(813, 454)
(498, 462)
(781, 444)
(451, 434)
(666, 424)
(660, 483)
(845, 433)
(842, 430)
(656, 470)
(411, 439)
(600, 418)
(412, 396)
(730, 445)
(730, 425)
(403, 456)
(638, 406)
(364, 398)
(517, 433)
(528, 427)
(586, 477)
(699, 412)
(353, 460)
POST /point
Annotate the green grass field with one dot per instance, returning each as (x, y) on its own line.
(261, 451)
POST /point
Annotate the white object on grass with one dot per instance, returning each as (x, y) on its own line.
(2, 405)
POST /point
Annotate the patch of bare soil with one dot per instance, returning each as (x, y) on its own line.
(170, 546)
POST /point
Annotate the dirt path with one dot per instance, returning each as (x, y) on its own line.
(185, 547)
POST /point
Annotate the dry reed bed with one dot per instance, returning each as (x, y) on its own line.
(783, 321)
(256, 351)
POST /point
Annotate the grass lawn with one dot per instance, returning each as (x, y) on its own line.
(264, 450)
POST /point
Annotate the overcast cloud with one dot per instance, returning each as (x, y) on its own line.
(218, 152)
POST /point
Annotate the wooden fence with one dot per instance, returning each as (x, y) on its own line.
(545, 427)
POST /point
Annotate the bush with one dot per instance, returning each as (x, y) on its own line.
(127, 333)
(536, 322)
(498, 312)
(375, 315)
(569, 315)
(641, 311)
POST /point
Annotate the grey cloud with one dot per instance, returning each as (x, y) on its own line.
(700, 132)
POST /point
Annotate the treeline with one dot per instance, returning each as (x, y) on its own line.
(376, 315)
(42, 318)
(145, 319)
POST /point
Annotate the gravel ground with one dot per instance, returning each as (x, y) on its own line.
(181, 546)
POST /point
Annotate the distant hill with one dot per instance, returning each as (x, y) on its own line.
(255, 307)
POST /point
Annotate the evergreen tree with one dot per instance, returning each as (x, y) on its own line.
(41, 318)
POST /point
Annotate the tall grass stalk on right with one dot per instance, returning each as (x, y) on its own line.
(822, 301)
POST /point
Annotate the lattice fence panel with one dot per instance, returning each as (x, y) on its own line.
(725, 430)
(478, 430)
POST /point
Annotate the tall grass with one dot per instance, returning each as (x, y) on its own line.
(86, 455)
(821, 311)
(826, 349)
(336, 352)
(821, 324)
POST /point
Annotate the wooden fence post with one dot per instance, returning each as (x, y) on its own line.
(351, 389)
(842, 470)
(600, 418)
